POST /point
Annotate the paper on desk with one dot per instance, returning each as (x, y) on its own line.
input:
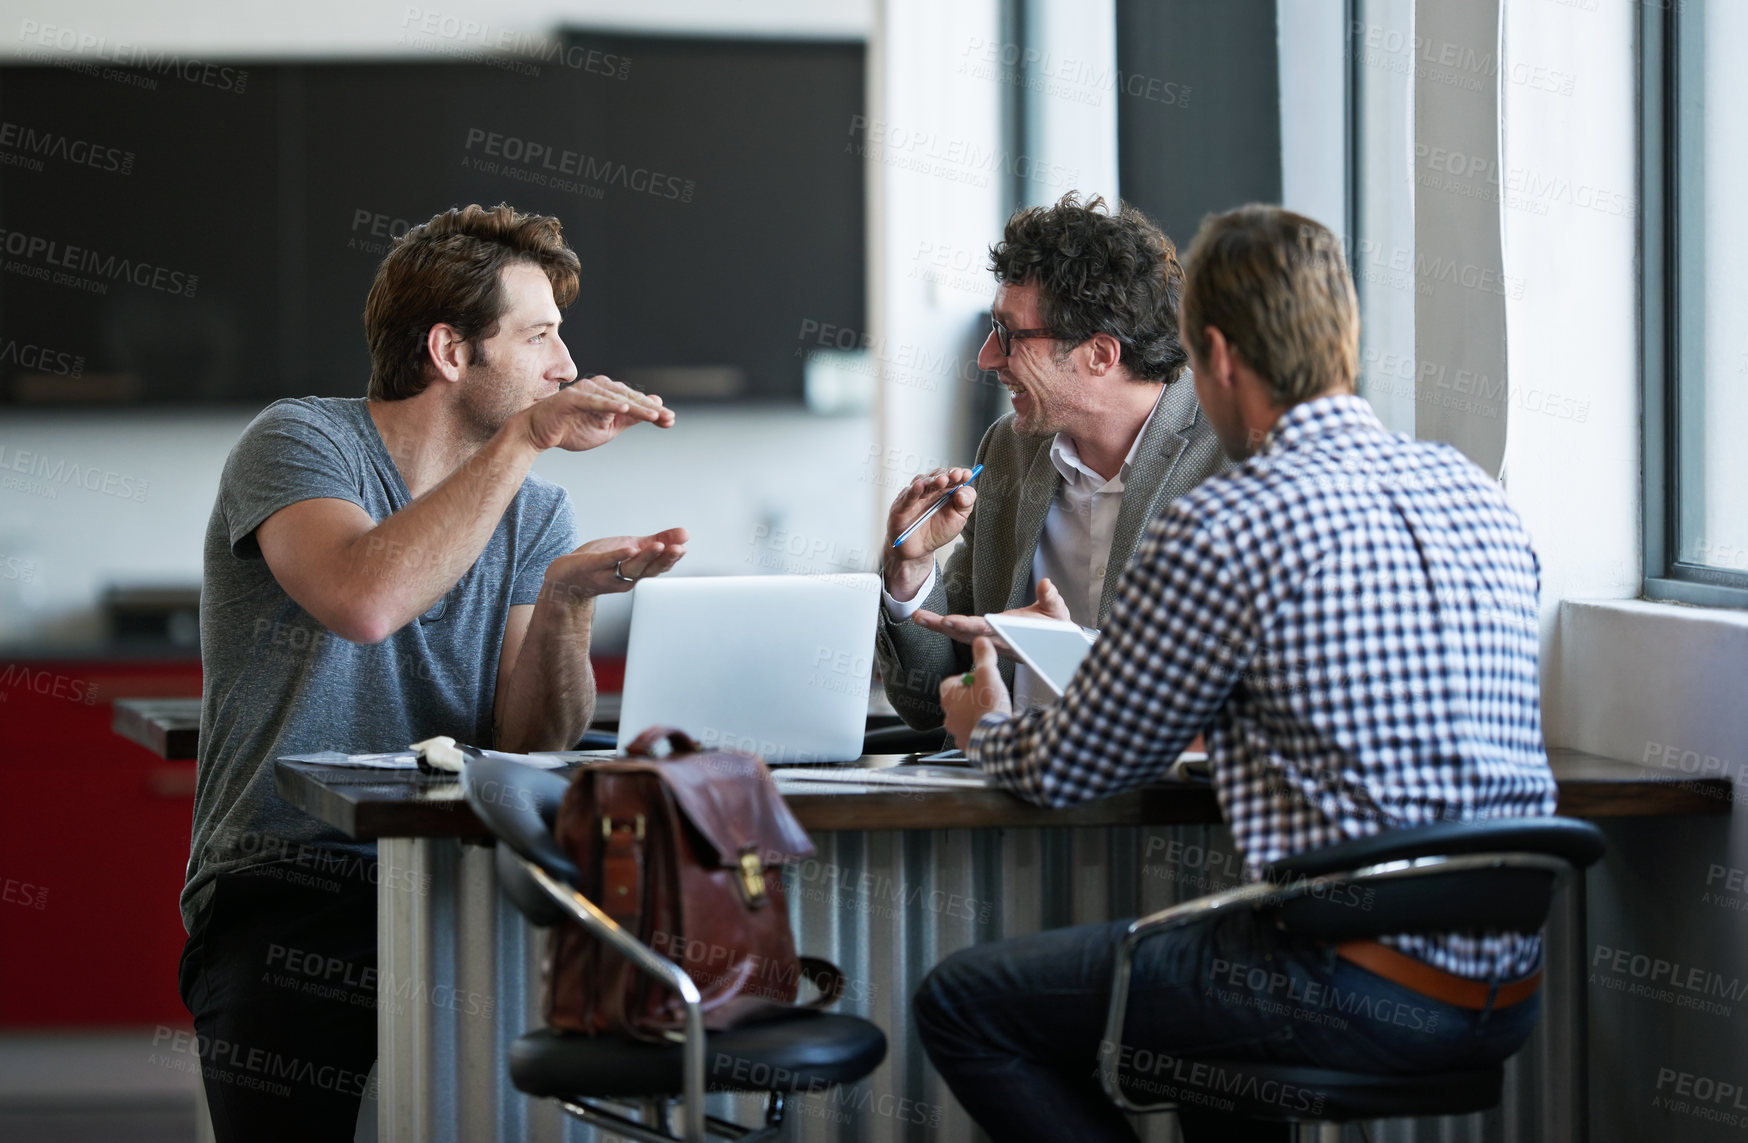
(1191, 766)
(907, 776)
(408, 760)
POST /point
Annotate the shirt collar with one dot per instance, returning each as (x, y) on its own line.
(1321, 417)
(1067, 460)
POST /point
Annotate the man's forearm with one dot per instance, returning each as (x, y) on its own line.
(551, 693)
(410, 560)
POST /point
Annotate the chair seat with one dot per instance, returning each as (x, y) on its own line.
(809, 1051)
(1300, 1093)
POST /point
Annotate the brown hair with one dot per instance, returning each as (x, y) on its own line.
(1099, 272)
(448, 271)
(1276, 285)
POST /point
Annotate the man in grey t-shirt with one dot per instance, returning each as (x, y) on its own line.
(379, 571)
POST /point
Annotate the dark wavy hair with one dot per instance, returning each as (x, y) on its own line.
(448, 271)
(1100, 272)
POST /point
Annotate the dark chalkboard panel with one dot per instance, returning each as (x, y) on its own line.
(165, 240)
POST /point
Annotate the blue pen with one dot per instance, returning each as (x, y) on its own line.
(935, 507)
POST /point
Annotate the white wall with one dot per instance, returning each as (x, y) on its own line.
(1312, 63)
(937, 165)
(1071, 103)
(1383, 250)
(1573, 449)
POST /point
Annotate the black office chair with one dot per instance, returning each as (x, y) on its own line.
(808, 1052)
(1497, 875)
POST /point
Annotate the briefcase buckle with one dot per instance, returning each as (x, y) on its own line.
(752, 878)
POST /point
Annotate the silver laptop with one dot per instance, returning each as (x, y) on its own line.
(777, 666)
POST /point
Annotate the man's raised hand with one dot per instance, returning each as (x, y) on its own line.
(966, 628)
(591, 412)
(613, 565)
(907, 566)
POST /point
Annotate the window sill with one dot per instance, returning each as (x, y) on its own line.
(1638, 679)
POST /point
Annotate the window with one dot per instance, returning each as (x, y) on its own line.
(1694, 127)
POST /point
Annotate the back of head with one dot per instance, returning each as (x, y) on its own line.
(448, 271)
(1275, 284)
(1099, 272)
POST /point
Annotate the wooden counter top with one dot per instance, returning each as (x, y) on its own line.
(370, 804)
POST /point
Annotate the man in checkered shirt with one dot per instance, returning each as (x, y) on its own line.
(1351, 618)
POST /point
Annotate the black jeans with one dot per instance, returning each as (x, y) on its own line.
(280, 976)
(1015, 1027)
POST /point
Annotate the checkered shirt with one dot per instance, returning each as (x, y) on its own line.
(1351, 617)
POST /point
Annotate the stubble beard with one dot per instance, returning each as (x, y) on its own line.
(488, 401)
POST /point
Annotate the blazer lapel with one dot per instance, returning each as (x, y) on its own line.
(1148, 488)
(1037, 492)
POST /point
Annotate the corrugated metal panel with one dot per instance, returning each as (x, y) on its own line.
(886, 907)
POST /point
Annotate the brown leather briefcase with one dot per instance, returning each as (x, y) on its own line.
(684, 853)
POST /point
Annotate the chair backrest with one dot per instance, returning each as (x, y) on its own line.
(519, 805)
(1496, 875)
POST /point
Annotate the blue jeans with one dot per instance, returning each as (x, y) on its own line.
(1015, 1027)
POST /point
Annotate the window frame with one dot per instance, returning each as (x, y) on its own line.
(1665, 576)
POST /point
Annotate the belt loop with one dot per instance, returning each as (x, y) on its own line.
(1492, 992)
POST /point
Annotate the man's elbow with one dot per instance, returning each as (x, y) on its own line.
(1048, 792)
(1054, 797)
(362, 623)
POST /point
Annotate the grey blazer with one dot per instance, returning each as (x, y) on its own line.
(992, 569)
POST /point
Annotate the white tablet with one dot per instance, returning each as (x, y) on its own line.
(1053, 648)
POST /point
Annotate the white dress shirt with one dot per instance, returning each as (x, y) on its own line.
(1074, 550)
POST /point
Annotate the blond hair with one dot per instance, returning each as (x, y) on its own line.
(1275, 284)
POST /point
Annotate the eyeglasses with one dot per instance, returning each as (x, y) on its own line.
(1006, 337)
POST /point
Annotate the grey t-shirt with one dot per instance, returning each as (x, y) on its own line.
(278, 682)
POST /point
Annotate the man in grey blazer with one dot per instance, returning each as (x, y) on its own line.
(1105, 432)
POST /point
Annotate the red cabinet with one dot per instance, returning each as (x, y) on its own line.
(93, 846)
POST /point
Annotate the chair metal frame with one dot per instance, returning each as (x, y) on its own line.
(1268, 894)
(695, 1124)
